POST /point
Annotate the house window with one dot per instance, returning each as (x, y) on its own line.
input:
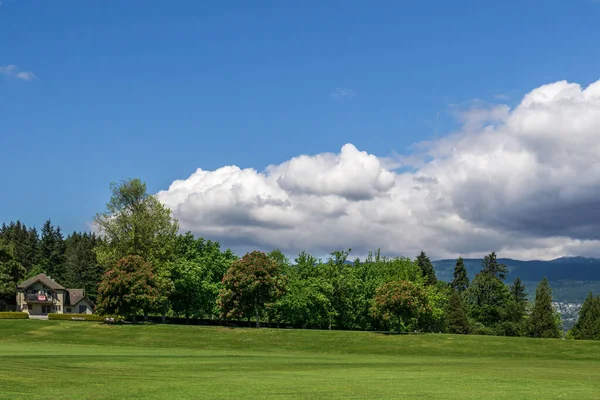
(57, 308)
(68, 309)
(82, 309)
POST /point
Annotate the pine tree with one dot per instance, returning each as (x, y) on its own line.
(81, 268)
(492, 267)
(426, 268)
(461, 279)
(456, 316)
(542, 321)
(588, 324)
(52, 251)
(518, 304)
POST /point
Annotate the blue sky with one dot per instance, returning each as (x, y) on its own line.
(156, 89)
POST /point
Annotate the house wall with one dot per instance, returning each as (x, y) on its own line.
(89, 309)
(57, 295)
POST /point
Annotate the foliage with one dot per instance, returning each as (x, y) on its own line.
(542, 322)
(11, 273)
(13, 315)
(251, 284)
(456, 317)
(401, 302)
(52, 251)
(427, 269)
(588, 324)
(135, 223)
(461, 279)
(128, 287)
(487, 296)
(492, 267)
(81, 268)
(75, 317)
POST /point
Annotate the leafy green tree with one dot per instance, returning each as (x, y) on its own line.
(128, 288)
(461, 279)
(587, 326)
(401, 302)
(135, 223)
(427, 269)
(197, 273)
(542, 321)
(249, 286)
(11, 273)
(456, 315)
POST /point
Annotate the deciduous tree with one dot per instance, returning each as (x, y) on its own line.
(400, 302)
(249, 285)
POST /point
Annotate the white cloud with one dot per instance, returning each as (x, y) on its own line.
(341, 92)
(524, 182)
(14, 72)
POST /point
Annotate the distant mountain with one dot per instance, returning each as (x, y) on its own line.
(571, 278)
(564, 268)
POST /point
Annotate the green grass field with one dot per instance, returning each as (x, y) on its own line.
(85, 360)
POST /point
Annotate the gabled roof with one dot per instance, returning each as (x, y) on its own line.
(44, 279)
(74, 296)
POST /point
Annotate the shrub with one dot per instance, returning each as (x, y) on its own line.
(76, 317)
(13, 315)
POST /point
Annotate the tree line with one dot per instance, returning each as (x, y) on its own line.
(138, 264)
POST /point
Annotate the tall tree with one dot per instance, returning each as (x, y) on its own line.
(456, 316)
(52, 251)
(135, 223)
(460, 282)
(542, 321)
(128, 288)
(249, 285)
(587, 326)
(81, 268)
(427, 269)
(11, 273)
(492, 267)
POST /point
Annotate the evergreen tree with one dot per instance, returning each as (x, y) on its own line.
(11, 273)
(588, 324)
(460, 282)
(542, 321)
(426, 268)
(81, 269)
(456, 316)
(52, 251)
(492, 267)
(518, 304)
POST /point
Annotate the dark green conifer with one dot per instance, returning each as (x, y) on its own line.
(542, 321)
(426, 268)
(461, 280)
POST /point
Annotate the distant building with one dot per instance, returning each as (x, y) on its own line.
(42, 295)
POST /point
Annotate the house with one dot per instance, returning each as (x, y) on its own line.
(41, 295)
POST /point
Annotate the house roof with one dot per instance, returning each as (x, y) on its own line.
(74, 296)
(44, 279)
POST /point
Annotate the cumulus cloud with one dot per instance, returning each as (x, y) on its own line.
(14, 72)
(523, 181)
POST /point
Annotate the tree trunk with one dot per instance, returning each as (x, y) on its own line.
(187, 318)
(133, 319)
(256, 313)
(164, 317)
(145, 315)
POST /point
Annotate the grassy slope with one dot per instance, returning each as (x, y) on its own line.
(77, 360)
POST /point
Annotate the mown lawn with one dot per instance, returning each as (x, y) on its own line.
(85, 360)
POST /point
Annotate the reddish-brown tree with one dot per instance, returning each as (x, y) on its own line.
(252, 283)
(128, 288)
(400, 302)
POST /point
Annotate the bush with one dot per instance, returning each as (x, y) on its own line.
(76, 317)
(13, 315)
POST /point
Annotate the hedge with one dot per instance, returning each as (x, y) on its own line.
(76, 317)
(13, 315)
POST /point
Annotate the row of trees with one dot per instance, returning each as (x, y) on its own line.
(25, 252)
(143, 266)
